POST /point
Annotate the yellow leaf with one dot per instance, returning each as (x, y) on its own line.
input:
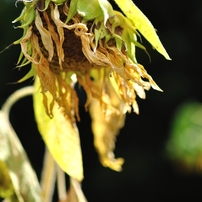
(106, 123)
(143, 24)
(12, 154)
(6, 186)
(60, 135)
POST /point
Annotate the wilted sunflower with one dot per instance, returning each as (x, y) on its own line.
(69, 41)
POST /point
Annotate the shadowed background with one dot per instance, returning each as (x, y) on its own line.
(147, 173)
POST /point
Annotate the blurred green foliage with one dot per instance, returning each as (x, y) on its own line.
(185, 142)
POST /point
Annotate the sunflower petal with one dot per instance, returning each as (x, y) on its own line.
(106, 123)
(45, 36)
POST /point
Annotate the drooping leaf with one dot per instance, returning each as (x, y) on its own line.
(60, 135)
(106, 124)
(23, 177)
(143, 24)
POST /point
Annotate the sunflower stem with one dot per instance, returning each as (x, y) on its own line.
(61, 182)
(48, 176)
(14, 97)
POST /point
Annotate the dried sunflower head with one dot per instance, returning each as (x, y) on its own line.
(69, 41)
(97, 44)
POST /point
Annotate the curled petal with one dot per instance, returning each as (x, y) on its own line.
(45, 36)
(106, 123)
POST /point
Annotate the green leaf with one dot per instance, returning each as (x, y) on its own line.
(22, 175)
(60, 135)
(184, 146)
(107, 9)
(72, 10)
(185, 142)
(143, 24)
(30, 74)
(88, 10)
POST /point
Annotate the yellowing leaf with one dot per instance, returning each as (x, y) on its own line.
(143, 24)
(60, 135)
(106, 123)
(23, 177)
(6, 186)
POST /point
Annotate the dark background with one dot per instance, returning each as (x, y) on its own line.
(148, 175)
